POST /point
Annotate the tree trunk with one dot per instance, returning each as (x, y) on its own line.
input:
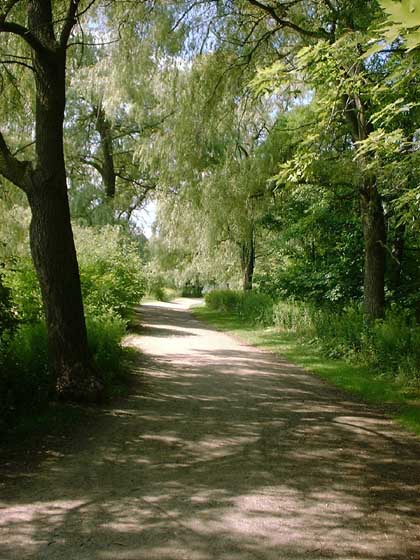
(103, 127)
(374, 234)
(372, 214)
(51, 236)
(248, 262)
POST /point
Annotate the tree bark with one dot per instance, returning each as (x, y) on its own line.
(374, 234)
(248, 262)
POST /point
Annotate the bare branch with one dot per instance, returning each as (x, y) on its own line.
(19, 63)
(93, 163)
(23, 32)
(285, 23)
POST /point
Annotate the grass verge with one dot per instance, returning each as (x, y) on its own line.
(401, 402)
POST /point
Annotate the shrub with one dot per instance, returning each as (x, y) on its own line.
(110, 271)
(25, 382)
(104, 336)
(192, 290)
(391, 345)
(226, 301)
(155, 285)
(8, 319)
(25, 293)
(294, 317)
(256, 308)
(394, 345)
(253, 307)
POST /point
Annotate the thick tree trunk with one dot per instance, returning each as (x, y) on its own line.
(51, 236)
(374, 234)
(54, 257)
(248, 262)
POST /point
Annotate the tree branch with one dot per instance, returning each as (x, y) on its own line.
(320, 34)
(23, 32)
(13, 169)
(92, 163)
(69, 22)
(19, 63)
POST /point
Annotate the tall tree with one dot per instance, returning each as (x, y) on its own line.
(46, 34)
(336, 27)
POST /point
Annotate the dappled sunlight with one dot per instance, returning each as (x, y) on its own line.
(220, 452)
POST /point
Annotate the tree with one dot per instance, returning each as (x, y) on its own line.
(46, 36)
(332, 65)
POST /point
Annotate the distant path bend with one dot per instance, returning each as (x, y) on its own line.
(222, 452)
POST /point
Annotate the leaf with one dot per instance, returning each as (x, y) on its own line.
(406, 12)
(412, 40)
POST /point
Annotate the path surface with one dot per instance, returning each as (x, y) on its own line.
(222, 452)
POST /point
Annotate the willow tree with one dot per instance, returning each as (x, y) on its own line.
(206, 155)
(45, 31)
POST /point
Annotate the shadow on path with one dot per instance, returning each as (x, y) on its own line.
(221, 452)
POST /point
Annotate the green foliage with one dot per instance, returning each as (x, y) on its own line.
(25, 383)
(253, 307)
(25, 291)
(402, 20)
(8, 319)
(111, 271)
(112, 282)
(192, 289)
(104, 336)
(226, 301)
(390, 346)
(293, 317)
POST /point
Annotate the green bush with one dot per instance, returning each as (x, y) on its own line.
(393, 345)
(226, 301)
(294, 317)
(25, 381)
(104, 336)
(25, 293)
(256, 308)
(192, 290)
(111, 271)
(8, 319)
(390, 346)
(253, 307)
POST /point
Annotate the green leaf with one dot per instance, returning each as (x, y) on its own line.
(406, 12)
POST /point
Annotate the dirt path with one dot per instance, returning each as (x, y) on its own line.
(222, 452)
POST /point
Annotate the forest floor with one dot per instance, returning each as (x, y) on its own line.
(221, 451)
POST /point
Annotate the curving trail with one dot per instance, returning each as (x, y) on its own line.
(221, 452)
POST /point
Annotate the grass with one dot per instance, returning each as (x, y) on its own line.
(402, 402)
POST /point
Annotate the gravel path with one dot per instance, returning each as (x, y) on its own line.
(222, 451)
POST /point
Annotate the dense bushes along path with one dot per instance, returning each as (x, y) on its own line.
(221, 452)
